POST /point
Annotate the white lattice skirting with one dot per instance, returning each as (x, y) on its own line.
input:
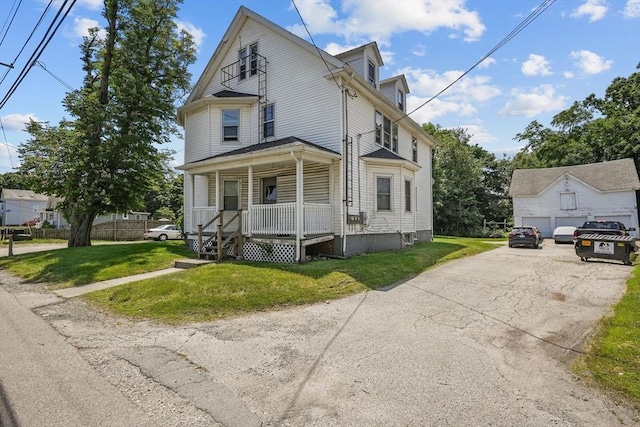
(267, 252)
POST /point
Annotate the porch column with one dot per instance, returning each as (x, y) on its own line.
(299, 207)
(250, 201)
(192, 180)
(218, 207)
(402, 206)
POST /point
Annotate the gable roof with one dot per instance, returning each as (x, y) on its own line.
(374, 47)
(27, 195)
(614, 175)
(400, 79)
(232, 32)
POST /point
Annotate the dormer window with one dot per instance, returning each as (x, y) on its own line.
(371, 74)
(400, 100)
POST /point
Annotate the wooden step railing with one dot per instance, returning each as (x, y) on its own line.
(217, 250)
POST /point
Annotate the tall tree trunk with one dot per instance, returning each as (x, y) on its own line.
(80, 233)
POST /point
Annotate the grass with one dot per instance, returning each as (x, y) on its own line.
(613, 354)
(230, 289)
(62, 268)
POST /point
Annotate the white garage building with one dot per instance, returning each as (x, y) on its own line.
(570, 195)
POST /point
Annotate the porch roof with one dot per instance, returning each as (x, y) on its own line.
(388, 157)
(263, 153)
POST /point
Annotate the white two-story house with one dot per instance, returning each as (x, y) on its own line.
(303, 152)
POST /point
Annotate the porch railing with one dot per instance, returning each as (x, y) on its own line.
(280, 219)
(203, 215)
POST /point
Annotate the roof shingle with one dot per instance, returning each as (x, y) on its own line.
(614, 175)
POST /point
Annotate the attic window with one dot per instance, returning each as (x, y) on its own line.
(371, 74)
(568, 201)
(400, 100)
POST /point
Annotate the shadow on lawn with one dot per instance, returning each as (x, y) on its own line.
(82, 265)
(379, 270)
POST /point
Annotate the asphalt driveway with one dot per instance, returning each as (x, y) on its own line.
(485, 340)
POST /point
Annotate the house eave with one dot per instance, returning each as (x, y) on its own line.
(261, 157)
(392, 162)
(214, 100)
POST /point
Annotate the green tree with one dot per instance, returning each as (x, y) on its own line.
(458, 179)
(590, 131)
(105, 158)
(14, 181)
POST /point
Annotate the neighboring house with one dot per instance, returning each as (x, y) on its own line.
(314, 150)
(52, 214)
(122, 217)
(570, 195)
(21, 206)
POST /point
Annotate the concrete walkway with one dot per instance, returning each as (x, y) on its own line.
(91, 287)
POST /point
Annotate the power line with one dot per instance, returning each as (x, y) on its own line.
(315, 45)
(39, 49)
(46, 10)
(8, 22)
(6, 143)
(525, 23)
(44, 67)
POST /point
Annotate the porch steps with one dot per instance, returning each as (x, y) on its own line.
(191, 263)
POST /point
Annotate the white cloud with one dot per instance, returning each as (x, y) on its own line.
(568, 75)
(366, 20)
(589, 62)
(469, 89)
(82, 25)
(419, 50)
(594, 9)
(436, 108)
(17, 122)
(92, 4)
(536, 65)
(632, 9)
(542, 99)
(487, 63)
(197, 33)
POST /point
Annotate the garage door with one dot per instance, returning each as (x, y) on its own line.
(543, 224)
(575, 221)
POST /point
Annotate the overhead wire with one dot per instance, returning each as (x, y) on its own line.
(6, 143)
(9, 20)
(35, 28)
(44, 67)
(315, 45)
(51, 31)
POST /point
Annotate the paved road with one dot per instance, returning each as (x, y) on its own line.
(486, 340)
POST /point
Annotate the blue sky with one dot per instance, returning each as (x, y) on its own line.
(573, 49)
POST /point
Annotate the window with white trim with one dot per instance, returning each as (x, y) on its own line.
(414, 148)
(230, 194)
(394, 137)
(407, 195)
(248, 61)
(386, 132)
(400, 99)
(568, 201)
(371, 73)
(378, 123)
(230, 125)
(125, 215)
(268, 122)
(383, 193)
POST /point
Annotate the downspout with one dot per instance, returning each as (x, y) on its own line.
(345, 143)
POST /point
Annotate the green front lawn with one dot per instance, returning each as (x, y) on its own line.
(228, 289)
(613, 354)
(63, 268)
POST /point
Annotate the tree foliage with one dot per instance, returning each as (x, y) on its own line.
(593, 130)
(105, 158)
(469, 184)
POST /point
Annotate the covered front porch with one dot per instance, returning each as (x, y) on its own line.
(283, 195)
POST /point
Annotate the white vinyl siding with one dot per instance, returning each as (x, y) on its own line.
(300, 95)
